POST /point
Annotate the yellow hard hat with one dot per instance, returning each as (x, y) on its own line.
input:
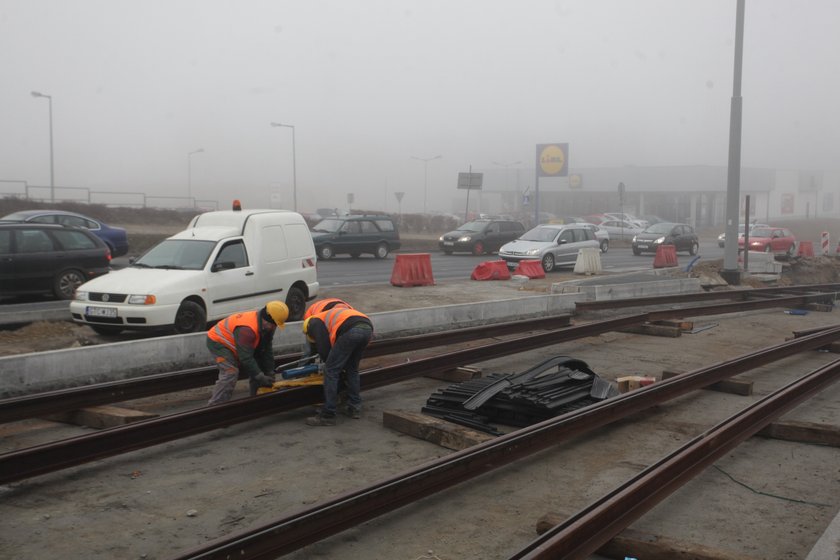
(306, 329)
(278, 311)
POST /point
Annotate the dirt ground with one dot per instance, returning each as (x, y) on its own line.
(766, 499)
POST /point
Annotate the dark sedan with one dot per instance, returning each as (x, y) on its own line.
(48, 258)
(681, 236)
(114, 237)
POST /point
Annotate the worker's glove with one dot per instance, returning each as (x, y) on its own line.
(264, 380)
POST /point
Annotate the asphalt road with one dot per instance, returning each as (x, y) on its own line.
(346, 271)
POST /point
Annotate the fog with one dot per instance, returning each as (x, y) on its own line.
(372, 88)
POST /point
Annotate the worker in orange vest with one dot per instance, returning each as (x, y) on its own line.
(243, 341)
(324, 305)
(339, 336)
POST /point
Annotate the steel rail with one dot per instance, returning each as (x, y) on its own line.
(62, 400)
(315, 523)
(703, 296)
(49, 457)
(585, 532)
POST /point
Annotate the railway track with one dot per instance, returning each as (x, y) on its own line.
(51, 457)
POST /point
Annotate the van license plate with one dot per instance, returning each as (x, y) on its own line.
(101, 311)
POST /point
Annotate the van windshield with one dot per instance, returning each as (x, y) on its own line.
(187, 254)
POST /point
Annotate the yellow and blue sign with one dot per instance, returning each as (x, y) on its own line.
(553, 160)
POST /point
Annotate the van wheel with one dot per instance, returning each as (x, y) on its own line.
(106, 330)
(66, 282)
(296, 302)
(381, 251)
(548, 262)
(605, 245)
(190, 318)
(326, 252)
(693, 249)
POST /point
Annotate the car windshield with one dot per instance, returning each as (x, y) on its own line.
(761, 232)
(661, 227)
(473, 226)
(328, 226)
(187, 254)
(540, 234)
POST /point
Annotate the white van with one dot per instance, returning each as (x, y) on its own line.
(225, 262)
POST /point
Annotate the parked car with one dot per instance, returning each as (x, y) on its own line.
(480, 236)
(681, 236)
(552, 245)
(354, 235)
(722, 236)
(114, 237)
(621, 229)
(602, 235)
(776, 240)
(224, 262)
(642, 223)
(652, 219)
(49, 258)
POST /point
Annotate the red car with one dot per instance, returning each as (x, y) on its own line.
(776, 240)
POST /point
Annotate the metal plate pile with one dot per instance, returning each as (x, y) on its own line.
(553, 387)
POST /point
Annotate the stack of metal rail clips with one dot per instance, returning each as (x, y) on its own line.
(553, 387)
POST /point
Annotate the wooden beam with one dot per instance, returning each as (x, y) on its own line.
(446, 434)
(803, 432)
(637, 544)
(457, 375)
(105, 416)
(733, 386)
(653, 330)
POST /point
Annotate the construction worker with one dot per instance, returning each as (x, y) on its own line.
(324, 305)
(243, 341)
(339, 336)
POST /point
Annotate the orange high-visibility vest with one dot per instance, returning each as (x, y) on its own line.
(319, 306)
(222, 332)
(334, 318)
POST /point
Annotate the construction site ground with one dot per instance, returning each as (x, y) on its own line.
(766, 499)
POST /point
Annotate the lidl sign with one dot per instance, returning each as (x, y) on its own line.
(553, 160)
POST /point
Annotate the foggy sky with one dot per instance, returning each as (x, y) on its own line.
(370, 84)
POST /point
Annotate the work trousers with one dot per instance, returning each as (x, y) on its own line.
(228, 376)
(345, 355)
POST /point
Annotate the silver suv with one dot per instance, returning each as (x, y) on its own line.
(553, 245)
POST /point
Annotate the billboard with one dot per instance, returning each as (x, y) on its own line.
(553, 160)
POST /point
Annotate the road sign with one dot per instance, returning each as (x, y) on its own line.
(470, 181)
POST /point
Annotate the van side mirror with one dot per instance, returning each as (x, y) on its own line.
(222, 265)
(562, 241)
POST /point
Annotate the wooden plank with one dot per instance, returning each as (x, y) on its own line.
(457, 375)
(637, 544)
(105, 416)
(803, 432)
(821, 307)
(676, 323)
(740, 387)
(653, 330)
(446, 434)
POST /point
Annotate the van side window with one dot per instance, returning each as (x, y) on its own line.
(369, 227)
(351, 227)
(493, 228)
(33, 241)
(234, 252)
(566, 235)
(5, 241)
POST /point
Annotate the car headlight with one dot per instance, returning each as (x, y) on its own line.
(440, 238)
(81, 296)
(721, 237)
(465, 239)
(634, 239)
(533, 252)
(141, 299)
(660, 240)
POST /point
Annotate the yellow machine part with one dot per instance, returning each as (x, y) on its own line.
(316, 379)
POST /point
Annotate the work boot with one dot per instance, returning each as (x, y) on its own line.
(353, 413)
(320, 420)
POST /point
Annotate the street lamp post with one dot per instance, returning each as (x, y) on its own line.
(52, 169)
(189, 171)
(294, 164)
(425, 177)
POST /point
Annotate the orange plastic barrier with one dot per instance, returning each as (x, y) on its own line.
(806, 249)
(491, 270)
(666, 255)
(412, 269)
(530, 268)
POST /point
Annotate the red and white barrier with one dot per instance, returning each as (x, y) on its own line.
(825, 243)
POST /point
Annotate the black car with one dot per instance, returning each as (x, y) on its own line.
(480, 236)
(49, 258)
(681, 236)
(355, 234)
